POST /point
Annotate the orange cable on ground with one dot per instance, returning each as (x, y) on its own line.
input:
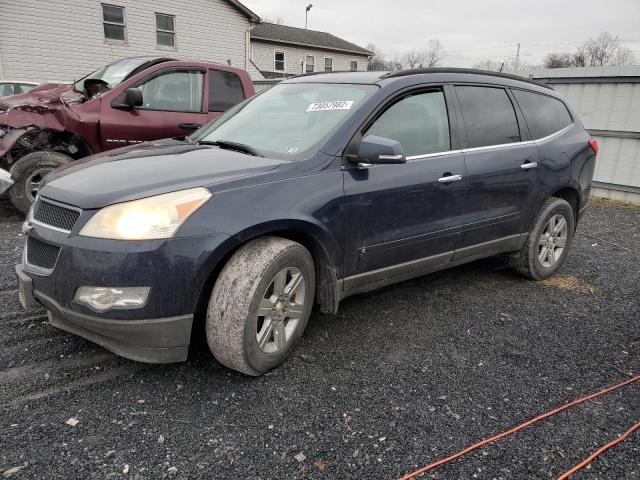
(598, 452)
(518, 428)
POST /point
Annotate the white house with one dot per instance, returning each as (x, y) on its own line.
(279, 51)
(59, 40)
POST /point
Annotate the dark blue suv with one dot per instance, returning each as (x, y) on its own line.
(321, 187)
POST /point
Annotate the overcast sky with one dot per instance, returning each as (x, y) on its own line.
(470, 30)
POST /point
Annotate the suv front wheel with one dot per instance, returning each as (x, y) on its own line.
(260, 304)
(548, 241)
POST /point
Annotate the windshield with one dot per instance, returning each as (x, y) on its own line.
(114, 73)
(288, 120)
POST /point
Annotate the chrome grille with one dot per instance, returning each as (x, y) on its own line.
(55, 215)
(41, 254)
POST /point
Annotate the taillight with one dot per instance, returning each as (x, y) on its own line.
(594, 145)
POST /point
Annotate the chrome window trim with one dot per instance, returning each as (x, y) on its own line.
(492, 147)
(32, 219)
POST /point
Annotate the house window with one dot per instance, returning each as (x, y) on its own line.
(113, 23)
(278, 60)
(165, 30)
(354, 66)
(310, 64)
(328, 64)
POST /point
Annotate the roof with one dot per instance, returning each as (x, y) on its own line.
(439, 75)
(245, 10)
(271, 32)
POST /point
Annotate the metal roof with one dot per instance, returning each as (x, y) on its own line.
(271, 32)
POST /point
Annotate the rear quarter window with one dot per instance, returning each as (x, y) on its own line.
(544, 115)
(225, 90)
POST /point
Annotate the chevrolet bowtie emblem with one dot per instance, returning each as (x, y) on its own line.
(27, 226)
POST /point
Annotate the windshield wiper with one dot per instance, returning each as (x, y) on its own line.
(238, 147)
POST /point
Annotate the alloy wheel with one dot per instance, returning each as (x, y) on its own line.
(34, 181)
(280, 310)
(552, 241)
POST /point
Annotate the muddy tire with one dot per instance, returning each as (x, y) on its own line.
(28, 173)
(548, 242)
(260, 305)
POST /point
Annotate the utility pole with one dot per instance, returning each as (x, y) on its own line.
(517, 57)
(306, 15)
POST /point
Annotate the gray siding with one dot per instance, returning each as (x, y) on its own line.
(263, 55)
(56, 40)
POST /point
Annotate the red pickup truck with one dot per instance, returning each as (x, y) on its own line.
(128, 101)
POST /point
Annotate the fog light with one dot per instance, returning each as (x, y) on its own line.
(102, 299)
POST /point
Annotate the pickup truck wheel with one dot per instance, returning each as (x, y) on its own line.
(548, 242)
(260, 304)
(28, 173)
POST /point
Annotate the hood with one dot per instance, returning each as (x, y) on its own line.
(148, 169)
(45, 106)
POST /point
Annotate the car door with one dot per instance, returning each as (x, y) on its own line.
(405, 218)
(173, 105)
(502, 173)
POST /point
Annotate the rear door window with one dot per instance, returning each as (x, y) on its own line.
(489, 116)
(23, 87)
(419, 122)
(544, 115)
(225, 90)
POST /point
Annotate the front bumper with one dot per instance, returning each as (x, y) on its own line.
(155, 340)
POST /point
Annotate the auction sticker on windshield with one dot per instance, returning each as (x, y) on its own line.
(324, 106)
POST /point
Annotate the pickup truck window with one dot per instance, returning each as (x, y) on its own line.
(173, 92)
(419, 122)
(288, 120)
(225, 90)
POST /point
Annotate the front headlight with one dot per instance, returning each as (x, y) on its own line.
(147, 218)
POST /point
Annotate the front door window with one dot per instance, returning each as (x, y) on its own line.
(173, 92)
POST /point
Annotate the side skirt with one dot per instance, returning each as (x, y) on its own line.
(365, 282)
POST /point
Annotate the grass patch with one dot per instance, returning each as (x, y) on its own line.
(570, 283)
(607, 202)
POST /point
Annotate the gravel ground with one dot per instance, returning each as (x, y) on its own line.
(398, 378)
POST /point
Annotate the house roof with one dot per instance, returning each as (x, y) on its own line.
(252, 16)
(271, 32)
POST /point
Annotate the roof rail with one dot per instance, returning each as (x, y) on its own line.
(419, 71)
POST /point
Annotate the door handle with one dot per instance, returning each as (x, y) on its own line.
(189, 126)
(529, 165)
(448, 178)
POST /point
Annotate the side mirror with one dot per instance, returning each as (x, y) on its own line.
(132, 97)
(374, 150)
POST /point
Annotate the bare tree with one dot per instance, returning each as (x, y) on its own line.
(434, 53)
(277, 20)
(604, 50)
(377, 61)
(413, 59)
(490, 65)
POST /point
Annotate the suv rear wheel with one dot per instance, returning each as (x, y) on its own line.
(28, 173)
(548, 242)
(260, 305)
